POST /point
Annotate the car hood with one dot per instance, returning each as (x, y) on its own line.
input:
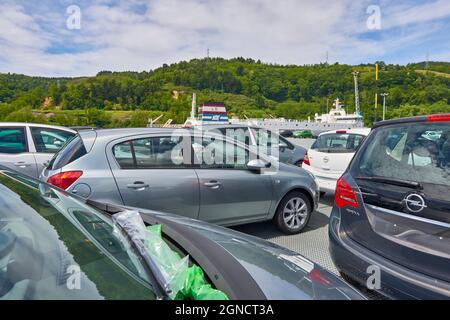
(280, 273)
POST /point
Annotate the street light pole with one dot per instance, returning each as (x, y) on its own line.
(384, 95)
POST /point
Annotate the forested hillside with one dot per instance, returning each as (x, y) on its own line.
(249, 88)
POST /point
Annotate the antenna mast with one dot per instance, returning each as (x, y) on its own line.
(194, 105)
(357, 105)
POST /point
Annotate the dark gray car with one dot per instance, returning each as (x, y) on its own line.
(178, 171)
(392, 210)
(57, 246)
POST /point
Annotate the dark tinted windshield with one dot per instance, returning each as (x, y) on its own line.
(338, 143)
(419, 152)
(55, 247)
(73, 150)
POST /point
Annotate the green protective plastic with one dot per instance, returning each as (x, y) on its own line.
(187, 283)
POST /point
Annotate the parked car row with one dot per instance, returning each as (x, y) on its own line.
(50, 226)
(389, 225)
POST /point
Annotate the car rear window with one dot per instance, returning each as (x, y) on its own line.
(73, 150)
(338, 143)
(419, 152)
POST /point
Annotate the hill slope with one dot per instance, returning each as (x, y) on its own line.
(248, 88)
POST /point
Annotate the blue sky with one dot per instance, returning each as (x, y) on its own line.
(141, 35)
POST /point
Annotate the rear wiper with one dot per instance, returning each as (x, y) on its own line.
(393, 181)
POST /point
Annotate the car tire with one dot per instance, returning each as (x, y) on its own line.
(293, 213)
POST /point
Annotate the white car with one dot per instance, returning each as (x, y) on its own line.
(330, 155)
(26, 147)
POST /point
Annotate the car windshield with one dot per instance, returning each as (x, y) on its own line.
(419, 152)
(56, 247)
(338, 143)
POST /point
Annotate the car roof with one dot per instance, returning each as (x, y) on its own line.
(361, 131)
(131, 131)
(412, 120)
(112, 134)
(27, 124)
(220, 126)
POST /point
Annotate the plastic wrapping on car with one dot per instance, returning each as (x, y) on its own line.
(186, 283)
(195, 287)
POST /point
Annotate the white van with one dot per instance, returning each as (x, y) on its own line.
(330, 155)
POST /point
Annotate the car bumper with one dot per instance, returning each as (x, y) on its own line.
(397, 282)
(326, 181)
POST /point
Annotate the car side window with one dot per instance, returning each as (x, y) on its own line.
(124, 155)
(149, 153)
(217, 154)
(13, 140)
(49, 140)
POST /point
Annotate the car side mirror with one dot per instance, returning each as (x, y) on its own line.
(257, 165)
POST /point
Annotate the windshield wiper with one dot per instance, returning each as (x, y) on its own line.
(393, 181)
(161, 285)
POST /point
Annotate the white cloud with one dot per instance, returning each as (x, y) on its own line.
(140, 35)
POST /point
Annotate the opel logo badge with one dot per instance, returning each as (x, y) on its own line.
(415, 203)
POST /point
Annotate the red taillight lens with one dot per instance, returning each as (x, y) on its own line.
(344, 196)
(316, 276)
(306, 160)
(439, 118)
(341, 132)
(64, 180)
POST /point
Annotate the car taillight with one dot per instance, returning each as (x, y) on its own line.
(306, 160)
(341, 132)
(316, 276)
(438, 118)
(344, 196)
(64, 180)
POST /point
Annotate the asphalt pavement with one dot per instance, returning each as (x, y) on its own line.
(313, 241)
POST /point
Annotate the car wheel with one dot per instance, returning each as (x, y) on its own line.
(293, 213)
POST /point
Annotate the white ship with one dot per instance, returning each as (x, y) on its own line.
(216, 113)
(338, 115)
(336, 119)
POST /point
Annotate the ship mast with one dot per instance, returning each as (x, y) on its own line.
(194, 106)
(357, 105)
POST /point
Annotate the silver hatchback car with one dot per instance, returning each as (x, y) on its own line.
(194, 174)
(27, 147)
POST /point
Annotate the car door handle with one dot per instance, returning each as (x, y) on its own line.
(213, 184)
(138, 185)
(22, 164)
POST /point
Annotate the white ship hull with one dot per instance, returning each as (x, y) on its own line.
(293, 125)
